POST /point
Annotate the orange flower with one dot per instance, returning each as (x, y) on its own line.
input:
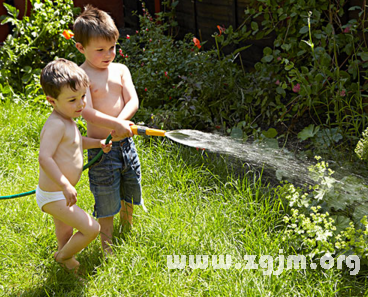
(68, 34)
(221, 29)
(196, 42)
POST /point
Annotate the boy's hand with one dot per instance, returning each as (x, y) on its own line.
(70, 194)
(105, 147)
(122, 130)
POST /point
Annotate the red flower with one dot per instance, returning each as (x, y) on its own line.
(296, 88)
(277, 82)
(128, 37)
(145, 89)
(166, 74)
(136, 31)
(343, 93)
(150, 40)
(68, 34)
(126, 56)
(221, 29)
(196, 42)
(347, 29)
(218, 127)
(121, 52)
(147, 29)
(170, 97)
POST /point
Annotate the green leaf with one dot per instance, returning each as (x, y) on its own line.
(236, 132)
(308, 132)
(304, 30)
(270, 133)
(267, 59)
(254, 26)
(364, 56)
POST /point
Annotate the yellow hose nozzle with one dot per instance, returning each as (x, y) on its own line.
(141, 130)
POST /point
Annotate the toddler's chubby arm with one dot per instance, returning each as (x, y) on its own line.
(51, 137)
(120, 127)
(89, 143)
(129, 94)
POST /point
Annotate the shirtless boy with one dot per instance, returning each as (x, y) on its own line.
(61, 159)
(115, 181)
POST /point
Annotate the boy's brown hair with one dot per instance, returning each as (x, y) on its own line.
(94, 23)
(60, 73)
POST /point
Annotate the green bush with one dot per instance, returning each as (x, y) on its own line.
(317, 68)
(35, 40)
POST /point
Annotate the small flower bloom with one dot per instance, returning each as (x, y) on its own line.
(296, 88)
(68, 34)
(128, 36)
(147, 29)
(221, 29)
(144, 49)
(277, 82)
(278, 58)
(136, 31)
(150, 40)
(218, 127)
(145, 89)
(142, 64)
(166, 73)
(343, 93)
(347, 29)
(121, 52)
(151, 19)
(197, 42)
(126, 56)
(170, 97)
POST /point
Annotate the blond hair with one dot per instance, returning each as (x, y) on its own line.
(94, 23)
(60, 73)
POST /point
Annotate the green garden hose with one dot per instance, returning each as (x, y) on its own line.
(84, 168)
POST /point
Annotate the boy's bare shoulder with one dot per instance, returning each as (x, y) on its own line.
(120, 67)
(54, 124)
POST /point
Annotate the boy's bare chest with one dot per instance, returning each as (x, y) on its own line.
(107, 93)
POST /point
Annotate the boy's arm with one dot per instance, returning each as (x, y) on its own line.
(101, 119)
(50, 138)
(89, 143)
(129, 94)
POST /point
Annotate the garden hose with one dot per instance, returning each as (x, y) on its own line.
(137, 130)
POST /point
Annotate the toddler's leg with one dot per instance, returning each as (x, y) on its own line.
(63, 232)
(75, 217)
(126, 215)
(107, 228)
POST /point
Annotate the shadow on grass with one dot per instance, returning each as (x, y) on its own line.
(58, 282)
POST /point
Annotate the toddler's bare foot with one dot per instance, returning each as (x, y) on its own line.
(70, 265)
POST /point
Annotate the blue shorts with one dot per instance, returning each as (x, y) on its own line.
(115, 177)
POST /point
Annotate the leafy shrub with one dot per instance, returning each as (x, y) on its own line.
(362, 147)
(35, 40)
(201, 89)
(328, 218)
(317, 66)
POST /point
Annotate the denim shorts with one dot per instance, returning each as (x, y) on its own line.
(115, 177)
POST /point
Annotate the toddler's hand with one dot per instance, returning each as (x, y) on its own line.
(70, 194)
(105, 147)
(122, 130)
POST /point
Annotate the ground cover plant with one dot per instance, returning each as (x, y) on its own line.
(197, 203)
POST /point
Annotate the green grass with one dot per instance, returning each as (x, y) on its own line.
(196, 205)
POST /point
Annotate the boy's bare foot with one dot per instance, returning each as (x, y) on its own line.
(70, 265)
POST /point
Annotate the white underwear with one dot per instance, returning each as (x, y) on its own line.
(43, 197)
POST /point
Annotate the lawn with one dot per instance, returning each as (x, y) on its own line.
(197, 205)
